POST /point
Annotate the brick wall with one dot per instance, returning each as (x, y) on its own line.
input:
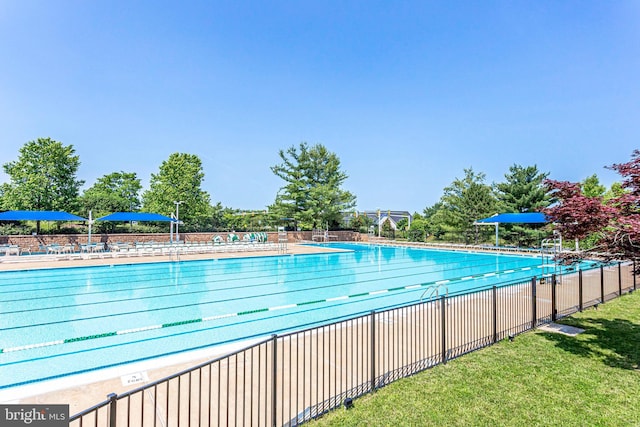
(34, 242)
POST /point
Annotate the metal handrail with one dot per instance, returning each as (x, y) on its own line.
(434, 291)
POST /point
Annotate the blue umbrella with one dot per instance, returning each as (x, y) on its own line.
(39, 216)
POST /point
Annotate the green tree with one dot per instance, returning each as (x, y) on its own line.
(217, 217)
(434, 217)
(3, 188)
(115, 192)
(615, 191)
(591, 187)
(43, 178)
(312, 195)
(232, 219)
(180, 180)
(418, 230)
(360, 223)
(465, 201)
(243, 220)
(523, 190)
(429, 211)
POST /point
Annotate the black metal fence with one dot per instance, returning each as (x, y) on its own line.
(289, 379)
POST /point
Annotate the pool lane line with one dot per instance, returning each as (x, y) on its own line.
(397, 266)
(205, 291)
(156, 266)
(103, 292)
(240, 313)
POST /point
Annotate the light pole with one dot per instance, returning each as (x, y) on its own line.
(178, 218)
(130, 210)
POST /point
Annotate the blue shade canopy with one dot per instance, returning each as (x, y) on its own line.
(135, 216)
(516, 218)
(39, 216)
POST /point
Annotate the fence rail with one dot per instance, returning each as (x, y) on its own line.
(292, 378)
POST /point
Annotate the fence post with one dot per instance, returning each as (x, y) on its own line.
(113, 405)
(534, 302)
(601, 284)
(495, 314)
(580, 291)
(619, 279)
(634, 275)
(444, 329)
(373, 350)
(274, 402)
(554, 302)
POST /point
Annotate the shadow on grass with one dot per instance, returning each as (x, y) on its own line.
(614, 341)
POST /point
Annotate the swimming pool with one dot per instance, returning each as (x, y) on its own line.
(59, 322)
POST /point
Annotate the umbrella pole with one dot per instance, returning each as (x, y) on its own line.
(90, 223)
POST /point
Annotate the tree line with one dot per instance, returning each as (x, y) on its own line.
(525, 189)
(44, 177)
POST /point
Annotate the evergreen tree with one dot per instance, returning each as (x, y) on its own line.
(523, 191)
(435, 223)
(591, 187)
(465, 201)
(616, 190)
(312, 194)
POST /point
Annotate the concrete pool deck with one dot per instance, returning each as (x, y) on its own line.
(31, 262)
(85, 390)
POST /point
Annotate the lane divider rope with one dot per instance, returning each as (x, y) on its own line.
(247, 312)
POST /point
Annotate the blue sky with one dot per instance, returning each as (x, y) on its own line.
(406, 93)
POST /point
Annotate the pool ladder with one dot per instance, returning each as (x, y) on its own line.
(174, 254)
(433, 291)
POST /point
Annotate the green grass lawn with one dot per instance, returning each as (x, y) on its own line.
(539, 379)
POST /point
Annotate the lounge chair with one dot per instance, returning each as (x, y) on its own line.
(54, 248)
(219, 244)
(9, 249)
(249, 241)
(234, 241)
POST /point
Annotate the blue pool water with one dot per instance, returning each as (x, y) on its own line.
(59, 322)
